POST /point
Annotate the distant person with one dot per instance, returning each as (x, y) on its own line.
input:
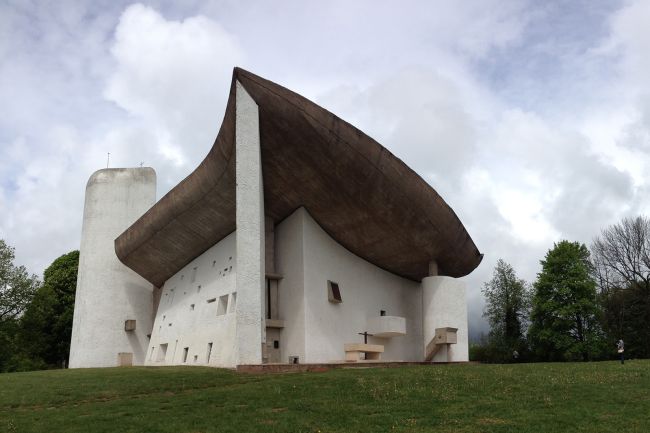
(515, 355)
(620, 346)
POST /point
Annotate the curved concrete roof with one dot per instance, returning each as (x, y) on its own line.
(363, 196)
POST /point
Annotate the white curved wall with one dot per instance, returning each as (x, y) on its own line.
(444, 305)
(316, 329)
(108, 293)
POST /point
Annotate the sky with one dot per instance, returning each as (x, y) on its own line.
(531, 119)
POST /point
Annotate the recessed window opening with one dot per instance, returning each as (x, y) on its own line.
(170, 324)
(214, 263)
(233, 302)
(211, 300)
(230, 258)
(207, 357)
(276, 344)
(268, 298)
(193, 279)
(198, 289)
(192, 307)
(182, 276)
(185, 351)
(382, 312)
(230, 269)
(162, 352)
(222, 306)
(151, 354)
(196, 358)
(333, 292)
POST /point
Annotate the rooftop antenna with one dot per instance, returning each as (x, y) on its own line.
(141, 163)
(108, 159)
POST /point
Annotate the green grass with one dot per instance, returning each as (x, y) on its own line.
(589, 397)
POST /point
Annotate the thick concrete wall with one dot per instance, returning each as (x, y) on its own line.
(109, 293)
(197, 308)
(444, 305)
(250, 230)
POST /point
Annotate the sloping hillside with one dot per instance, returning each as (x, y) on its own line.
(589, 397)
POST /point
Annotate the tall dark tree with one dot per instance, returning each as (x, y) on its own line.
(506, 308)
(564, 325)
(17, 289)
(47, 323)
(621, 257)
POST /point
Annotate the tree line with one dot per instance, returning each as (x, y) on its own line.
(582, 301)
(36, 316)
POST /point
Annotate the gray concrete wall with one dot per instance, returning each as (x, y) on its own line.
(250, 231)
(109, 293)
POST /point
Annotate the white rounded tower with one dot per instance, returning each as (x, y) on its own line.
(113, 305)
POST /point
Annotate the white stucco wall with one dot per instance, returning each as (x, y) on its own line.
(365, 289)
(108, 293)
(444, 305)
(291, 288)
(186, 318)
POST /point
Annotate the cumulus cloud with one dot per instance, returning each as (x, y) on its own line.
(125, 81)
(174, 76)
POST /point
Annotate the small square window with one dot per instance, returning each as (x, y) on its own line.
(233, 302)
(162, 352)
(333, 292)
(222, 306)
(207, 360)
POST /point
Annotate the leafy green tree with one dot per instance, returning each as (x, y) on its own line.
(47, 323)
(506, 308)
(17, 289)
(564, 325)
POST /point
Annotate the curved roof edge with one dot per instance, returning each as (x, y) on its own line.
(363, 196)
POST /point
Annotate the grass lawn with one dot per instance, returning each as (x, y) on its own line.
(589, 397)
